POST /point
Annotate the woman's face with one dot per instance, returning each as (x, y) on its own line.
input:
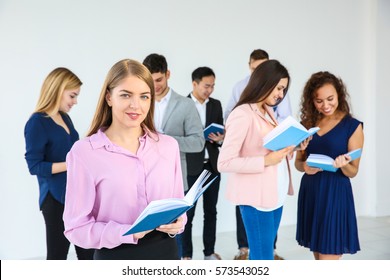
(68, 99)
(130, 102)
(326, 100)
(277, 93)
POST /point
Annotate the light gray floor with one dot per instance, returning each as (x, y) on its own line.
(374, 236)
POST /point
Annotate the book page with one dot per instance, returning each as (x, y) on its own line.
(192, 194)
(284, 125)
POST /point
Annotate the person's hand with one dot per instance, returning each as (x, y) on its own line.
(141, 234)
(218, 137)
(172, 228)
(303, 145)
(310, 170)
(342, 161)
(276, 157)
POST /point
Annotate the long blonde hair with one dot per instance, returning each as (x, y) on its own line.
(118, 72)
(58, 80)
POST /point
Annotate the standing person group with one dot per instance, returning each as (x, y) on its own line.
(146, 143)
(49, 134)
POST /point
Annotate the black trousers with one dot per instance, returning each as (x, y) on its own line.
(210, 199)
(56, 243)
(153, 246)
(242, 240)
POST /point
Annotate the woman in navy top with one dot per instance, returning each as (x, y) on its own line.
(49, 135)
(326, 221)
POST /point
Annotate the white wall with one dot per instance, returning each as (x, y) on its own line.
(347, 37)
(382, 102)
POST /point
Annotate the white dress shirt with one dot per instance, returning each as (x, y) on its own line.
(202, 114)
(159, 110)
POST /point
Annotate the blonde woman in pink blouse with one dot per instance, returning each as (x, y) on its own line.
(119, 168)
(258, 179)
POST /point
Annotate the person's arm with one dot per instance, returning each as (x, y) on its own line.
(36, 138)
(230, 105)
(193, 139)
(236, 93)
(300, 160)
(217, 138)
(81, 228)
(58, 167)
(351, 168)
(229, 159)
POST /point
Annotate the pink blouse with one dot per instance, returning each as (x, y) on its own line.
(108, 186)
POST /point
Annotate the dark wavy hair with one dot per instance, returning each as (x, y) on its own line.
(309, 114)
(263, 81)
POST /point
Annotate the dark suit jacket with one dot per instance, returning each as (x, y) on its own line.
(195, 161)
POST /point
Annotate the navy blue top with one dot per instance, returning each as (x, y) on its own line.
(47, 143)
(326, 210)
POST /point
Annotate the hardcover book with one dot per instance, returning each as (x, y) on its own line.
(288, 133)
(165, 211)
(326, 163)
(213, 128)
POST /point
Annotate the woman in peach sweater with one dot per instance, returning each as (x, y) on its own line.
(259, 179)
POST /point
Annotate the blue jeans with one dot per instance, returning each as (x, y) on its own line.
(261, 228)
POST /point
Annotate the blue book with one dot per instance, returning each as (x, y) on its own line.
(326, 163)
(288, 133)
(165, 211)
(213, 128)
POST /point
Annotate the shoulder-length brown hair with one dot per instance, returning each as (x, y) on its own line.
(263, 81)
(309, 114)
(118, 72)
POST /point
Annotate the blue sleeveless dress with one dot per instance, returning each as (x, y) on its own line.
(326, 211)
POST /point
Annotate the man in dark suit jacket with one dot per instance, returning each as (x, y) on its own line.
(210, 111)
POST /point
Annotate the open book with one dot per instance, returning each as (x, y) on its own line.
(326, 163)
(288, 133)
(165, 211)
(213, 128)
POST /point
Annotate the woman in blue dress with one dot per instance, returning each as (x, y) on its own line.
(326, 221)
(49, 134)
